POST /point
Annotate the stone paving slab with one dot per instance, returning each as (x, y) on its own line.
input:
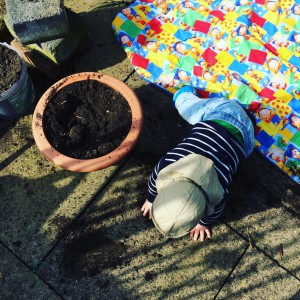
(259, 185)
(17, 281)
(276, 232)
(105, 54)
(85, 6)
(264, 206)
(258, 277)
(2, 13)
(37, 21)
(112, 252)
(15, 136)
(163, 127)
(39, 201)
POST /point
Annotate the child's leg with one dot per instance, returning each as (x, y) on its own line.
(184, 89)
(192, 108)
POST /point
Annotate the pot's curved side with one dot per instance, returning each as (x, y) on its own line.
(88, 165)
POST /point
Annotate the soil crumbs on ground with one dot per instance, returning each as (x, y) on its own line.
(87, 251)
(10, 68)
(87, 119)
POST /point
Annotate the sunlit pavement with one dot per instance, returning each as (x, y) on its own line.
(67, 235)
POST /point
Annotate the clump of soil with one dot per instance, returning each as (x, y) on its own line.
(10, 68)
(87, 251)
(86, 119)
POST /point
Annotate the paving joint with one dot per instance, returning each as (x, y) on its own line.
(128, 76)
(234, 267)
(93, 199)
(253, 245)
(32, 270)
(39, 278)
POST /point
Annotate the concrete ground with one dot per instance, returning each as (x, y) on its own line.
(66, 235)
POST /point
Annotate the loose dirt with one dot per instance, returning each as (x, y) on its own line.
(87, 251)
(10, 68)
(86, 119)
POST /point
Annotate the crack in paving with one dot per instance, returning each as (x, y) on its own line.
(253, 244)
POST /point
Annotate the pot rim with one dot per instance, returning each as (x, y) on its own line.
(94, 164)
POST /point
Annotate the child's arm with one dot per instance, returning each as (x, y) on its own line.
(152, 192)
(212, 218)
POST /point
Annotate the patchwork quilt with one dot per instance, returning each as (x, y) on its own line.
(245, 50)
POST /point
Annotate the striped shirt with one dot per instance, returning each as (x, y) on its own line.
(211, 140)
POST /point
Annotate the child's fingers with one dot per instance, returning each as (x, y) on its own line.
(196, 235)
(202, 235)
(208, 233)
(144, 206)
(145, 211)
(192, 232)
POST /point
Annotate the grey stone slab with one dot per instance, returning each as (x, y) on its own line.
(17, 281)
(37, 20)
(258, 277)
(39, 201)
(60, 50)
(112, 252)
(104, 54)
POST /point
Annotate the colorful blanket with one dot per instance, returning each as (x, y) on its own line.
(245, 50)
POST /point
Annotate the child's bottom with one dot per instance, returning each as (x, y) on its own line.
(194, 109)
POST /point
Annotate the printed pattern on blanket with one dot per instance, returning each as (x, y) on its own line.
(247, 51)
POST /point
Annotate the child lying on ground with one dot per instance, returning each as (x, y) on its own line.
(188, 188)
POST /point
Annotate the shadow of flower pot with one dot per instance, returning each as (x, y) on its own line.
(93, 164)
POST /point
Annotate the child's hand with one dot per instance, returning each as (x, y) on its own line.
(201, 231)
(146, 208)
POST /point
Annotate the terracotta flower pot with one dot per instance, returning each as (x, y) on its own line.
(94, 164)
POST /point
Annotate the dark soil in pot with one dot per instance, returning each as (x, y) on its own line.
(10, 68)
(86, 119)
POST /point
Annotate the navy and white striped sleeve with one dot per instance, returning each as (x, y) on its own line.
(152, 190)
(212, 218)
(166, 160)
